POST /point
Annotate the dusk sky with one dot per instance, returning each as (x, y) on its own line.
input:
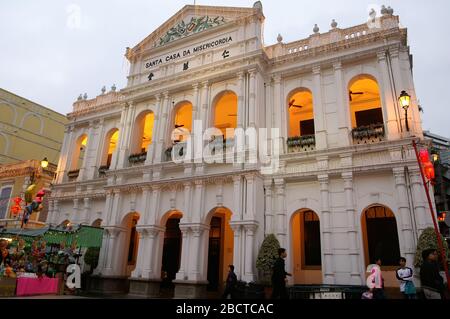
(51, 51)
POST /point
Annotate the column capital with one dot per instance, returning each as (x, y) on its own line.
(323, 179)
(158, 97)
(276, 78)
(195, 86)
(398, 172)
(337, 65)
(237, 178)
(251, 228)
(316, 70)
(240, 75)
(381, 56)
(205, 84)
(267, 183)
(253, 72)
(166, 95)
(347, 176)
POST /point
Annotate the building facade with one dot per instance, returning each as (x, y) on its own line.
(28, 131)
(346, 187)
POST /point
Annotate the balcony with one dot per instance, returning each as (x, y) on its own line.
(102, 170)
(370, 134)
(299, 144)
(137, 158)
(73, 174)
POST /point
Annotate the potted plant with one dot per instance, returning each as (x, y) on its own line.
(91, 259)
(268, 253)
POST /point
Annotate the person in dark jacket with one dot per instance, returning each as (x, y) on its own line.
(432, 281)
(279, 276)
(231, 283)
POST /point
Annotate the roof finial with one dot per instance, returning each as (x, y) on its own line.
(384, 10)
(279, 38)
(334, 24)
(113, 88)
(103, 89)
(316, 29)
(85, 96)
(390, 11)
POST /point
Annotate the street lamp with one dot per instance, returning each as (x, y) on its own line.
(405, 100)
(44, 163)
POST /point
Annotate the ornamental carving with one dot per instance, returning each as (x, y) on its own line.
(197, 24)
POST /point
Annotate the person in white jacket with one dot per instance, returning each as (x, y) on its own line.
(405, 277)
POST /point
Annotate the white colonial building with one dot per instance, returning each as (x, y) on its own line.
(347, 189)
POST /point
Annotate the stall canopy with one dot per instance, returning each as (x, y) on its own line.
(84, 236)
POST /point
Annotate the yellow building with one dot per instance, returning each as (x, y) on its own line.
(28, 130)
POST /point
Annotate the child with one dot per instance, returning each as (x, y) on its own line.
(405, 276)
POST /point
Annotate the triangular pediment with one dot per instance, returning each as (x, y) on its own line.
(190, 20)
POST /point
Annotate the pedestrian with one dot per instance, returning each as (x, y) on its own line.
(231, 283)
(405, 277)
(432, 281)
(376, 281)
(279, 276)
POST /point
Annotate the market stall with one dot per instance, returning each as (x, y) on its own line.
(34, 261)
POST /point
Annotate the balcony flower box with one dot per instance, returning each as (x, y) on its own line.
(137, 158)
(369, 131)
(73, 174)
(301, 141)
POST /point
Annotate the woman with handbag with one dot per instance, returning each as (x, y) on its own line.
(405, 276)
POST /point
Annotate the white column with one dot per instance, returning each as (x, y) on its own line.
(389, 100)
(197, 235)
(162, 129)
(343, 107)
(280, 212)
(241, 101)
(157, 122)
(198, 202)
(250, 209)
(123, 137)
(187, 200)
(423, 220)
(407, 242)
(87, 154)
(252, 99)
(114, 208)
(182, 274)
(205, 104)
(279, 113)
(86, 210)
(55, 215)
(319, 111)
(154, 205)
(237, 249)
(269, 229)
(238, 197)
(64, 159)
(327, 249)
(117, 156)
(352, 232)
(149, 271)
(76, 213)
(103, 255)
(249, 274)
(112, 251)
(142, 252)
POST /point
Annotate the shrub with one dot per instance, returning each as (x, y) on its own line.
(267, 255)
(91, 257)
(428, 240)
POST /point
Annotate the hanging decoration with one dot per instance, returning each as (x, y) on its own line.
(35, 206)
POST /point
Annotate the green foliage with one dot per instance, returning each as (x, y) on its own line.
(267, 255)
(91, 257)
(428, 240)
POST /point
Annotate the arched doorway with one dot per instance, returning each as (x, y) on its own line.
(97, 223)
(171, 257)
(306, 247)
(380, 235)
(220, 247)
(225, 113)
(130, 241)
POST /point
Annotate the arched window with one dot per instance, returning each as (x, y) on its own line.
(78, 155)
(182, 121)
(301, 130)
(380, 235)
(225, 113)
(142, 137)
(33, 123)
(112, 139)
(365, 102)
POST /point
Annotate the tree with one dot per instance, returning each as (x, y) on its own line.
(91, 257)
(428, 240)
(267, 255)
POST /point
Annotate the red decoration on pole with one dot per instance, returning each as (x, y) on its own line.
(433, 216)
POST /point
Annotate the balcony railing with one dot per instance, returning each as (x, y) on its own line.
(369, 134)
(305, 143)
(102, 170)
(137, 158)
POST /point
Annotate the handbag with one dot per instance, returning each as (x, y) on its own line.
(410, 289)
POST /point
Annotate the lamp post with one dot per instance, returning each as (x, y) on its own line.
(44, 163)
(405, 100)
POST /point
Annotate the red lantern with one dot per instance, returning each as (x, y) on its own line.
(429, 171)
(424, 156)
(15, 209)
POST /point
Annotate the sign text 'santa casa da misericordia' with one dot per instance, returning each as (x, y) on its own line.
(187, 52)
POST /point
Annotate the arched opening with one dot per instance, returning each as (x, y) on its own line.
(307, 254)
(65, 224)
(365, 108)
(143, 133)
(380, 235)
(220, 247)
(33, 123)
(182, 121)
(301, 131)
(78, 155)
(225, 113)
(171, 257)
(111, 141)
(131, 241)
(3, 144)
(7, 112)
